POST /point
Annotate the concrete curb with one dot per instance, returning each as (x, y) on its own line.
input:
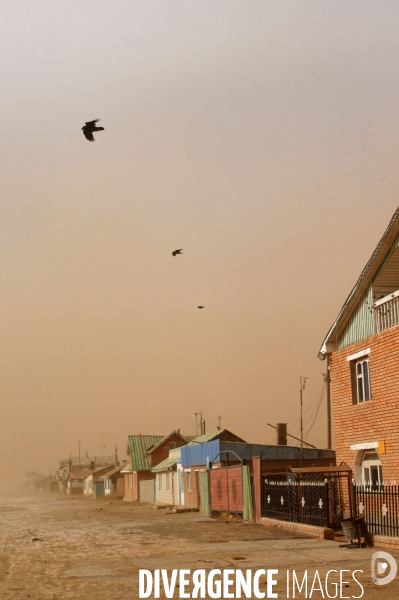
(324, 533)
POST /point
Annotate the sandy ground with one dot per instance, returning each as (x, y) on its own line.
(60, 548)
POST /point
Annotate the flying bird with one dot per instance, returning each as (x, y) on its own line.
(200, 306)
(89, 128)
(179, 251)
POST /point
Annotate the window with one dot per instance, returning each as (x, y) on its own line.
(362, 380)
(371, 469)
(160, 481)
(188, 481)
(361, 391)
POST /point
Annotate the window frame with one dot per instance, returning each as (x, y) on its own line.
(360, 376)
(188, 481)
(373, 462)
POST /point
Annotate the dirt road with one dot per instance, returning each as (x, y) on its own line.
(56, 547)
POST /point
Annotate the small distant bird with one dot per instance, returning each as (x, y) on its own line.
(200, 306)
(179, 251)
(89, 128)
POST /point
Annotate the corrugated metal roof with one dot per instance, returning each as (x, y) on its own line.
(202, 439)
(73, 475)
(114, 471)
(215, 450)
(126, 469)
(213, 435)
(99, 469)
(166, 464)
(138, 446)
(85, 461)
(364, 277)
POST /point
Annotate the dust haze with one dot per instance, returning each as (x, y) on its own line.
(260, 137)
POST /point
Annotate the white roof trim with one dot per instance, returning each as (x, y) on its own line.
(386, 298)
(365, 446)
(358, 354)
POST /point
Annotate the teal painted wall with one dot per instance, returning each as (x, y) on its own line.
(361, 324)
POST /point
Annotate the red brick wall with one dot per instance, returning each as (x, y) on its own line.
(133, 479)
(378, 419)
(192, 498)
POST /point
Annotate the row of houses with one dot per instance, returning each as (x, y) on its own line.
(166, 470)
(86, 476)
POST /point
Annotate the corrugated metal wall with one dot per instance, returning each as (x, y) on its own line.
(360, 325)
(197, 454)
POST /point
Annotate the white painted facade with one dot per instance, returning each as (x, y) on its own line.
(168, 483)
(166, 488)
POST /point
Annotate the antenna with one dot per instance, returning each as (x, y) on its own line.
(220, 421)
(196, 423)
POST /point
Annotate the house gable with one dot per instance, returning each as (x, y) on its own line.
(360, 316)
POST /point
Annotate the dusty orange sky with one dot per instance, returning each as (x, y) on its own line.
(260, 137)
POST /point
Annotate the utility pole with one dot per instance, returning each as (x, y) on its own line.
(303, 381)
(201, 423)
(79, 453)
(328, 382)
(116, 456)
(196, 423)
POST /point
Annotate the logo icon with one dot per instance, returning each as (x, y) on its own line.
(381, 560)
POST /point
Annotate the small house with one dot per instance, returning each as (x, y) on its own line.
(92, 485)
(168, 485)
(145, 452)
(114, 482)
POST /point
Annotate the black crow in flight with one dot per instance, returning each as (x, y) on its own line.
(200, 306)
(89, 128)
(179, 251)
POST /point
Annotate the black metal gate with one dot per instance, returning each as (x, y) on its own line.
(379, 506)
(296, 501)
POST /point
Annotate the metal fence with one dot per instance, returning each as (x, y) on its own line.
(298, 502)
(379, 506)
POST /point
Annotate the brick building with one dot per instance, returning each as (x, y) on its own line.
(362, 352)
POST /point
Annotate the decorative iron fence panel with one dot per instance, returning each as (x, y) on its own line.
(298, 502)
(276, 500)
(379, 506)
